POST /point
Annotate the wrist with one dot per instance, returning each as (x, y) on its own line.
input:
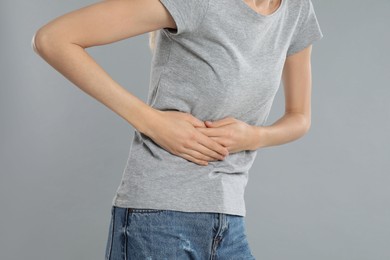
(259, 138)
(147, 120)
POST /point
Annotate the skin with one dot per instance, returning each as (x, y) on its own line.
(264, 7)
(62, 43)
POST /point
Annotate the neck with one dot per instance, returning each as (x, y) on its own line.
(266, 4)
(263, 2)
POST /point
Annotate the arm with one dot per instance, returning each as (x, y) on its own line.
(62, 43)
(297, 117)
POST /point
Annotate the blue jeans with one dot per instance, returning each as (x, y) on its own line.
(156, 234)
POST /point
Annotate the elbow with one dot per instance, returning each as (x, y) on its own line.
(45, 40)
(39, 41)
(302, 121)
(306, 125)
(33, 44)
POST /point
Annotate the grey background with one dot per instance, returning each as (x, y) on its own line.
(62, 153)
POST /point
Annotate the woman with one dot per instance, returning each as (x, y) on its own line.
(216, 68)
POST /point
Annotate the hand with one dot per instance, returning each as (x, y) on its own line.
(177, 132)
(232, 133)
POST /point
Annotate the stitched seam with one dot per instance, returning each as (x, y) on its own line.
(172, 35)
(125, 232)
(165, 66)
(154, 93)
(301, 25)
(154, 97)
(112, 233)
(304, 21)
(204, 16)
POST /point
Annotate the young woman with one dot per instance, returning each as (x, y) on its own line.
(216, 68)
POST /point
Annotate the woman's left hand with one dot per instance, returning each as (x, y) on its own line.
(232, 133)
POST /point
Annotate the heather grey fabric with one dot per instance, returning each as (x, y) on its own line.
(223, 60)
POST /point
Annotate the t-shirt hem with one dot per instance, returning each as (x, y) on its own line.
(180, 25)
(305, 43)
(210, 209)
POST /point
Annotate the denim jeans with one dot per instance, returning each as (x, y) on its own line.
(155, 234)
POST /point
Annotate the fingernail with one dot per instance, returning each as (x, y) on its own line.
(209, 122)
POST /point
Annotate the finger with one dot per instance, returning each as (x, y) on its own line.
(221, 140)
(211, 131)
(203, 126)
(201, 152)
(201, 156)
(219, 123)
(195, 121)
(224, 142)
(192, 159)
(213, 145)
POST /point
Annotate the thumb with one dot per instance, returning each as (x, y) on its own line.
(219, 123)
(209, 123)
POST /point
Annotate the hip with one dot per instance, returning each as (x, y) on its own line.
(136, 233)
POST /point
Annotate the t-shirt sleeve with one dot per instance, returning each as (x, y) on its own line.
(307, 31)
(188, 14)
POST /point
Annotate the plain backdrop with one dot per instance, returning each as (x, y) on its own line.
(62, 153)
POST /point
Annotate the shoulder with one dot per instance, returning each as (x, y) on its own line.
(300, 10)
(187, 14)
(298, 6)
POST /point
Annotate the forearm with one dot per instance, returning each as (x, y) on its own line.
(288, 128)
(74, 63)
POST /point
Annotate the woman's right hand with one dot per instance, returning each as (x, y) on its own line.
(175, 131)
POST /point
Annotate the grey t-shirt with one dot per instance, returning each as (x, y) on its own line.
(224, 59)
